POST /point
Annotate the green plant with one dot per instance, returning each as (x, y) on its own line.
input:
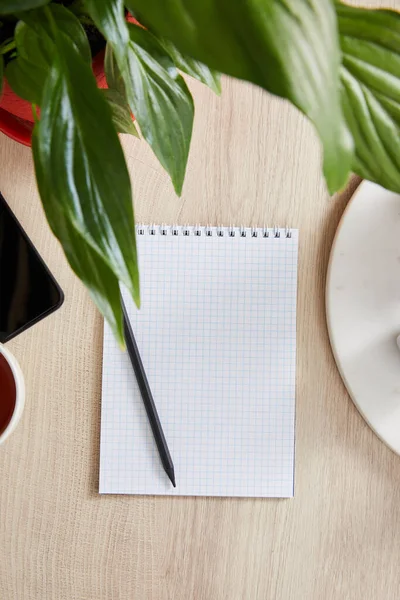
(339, 65)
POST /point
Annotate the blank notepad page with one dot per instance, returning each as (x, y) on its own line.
(217, 335)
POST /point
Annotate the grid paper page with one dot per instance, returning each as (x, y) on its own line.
(217, 336)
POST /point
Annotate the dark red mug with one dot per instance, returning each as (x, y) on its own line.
(12, 393)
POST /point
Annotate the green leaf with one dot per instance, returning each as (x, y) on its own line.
(100, 280)
(67, 24)
(141, 70)
(289, 47)
(27, 73)
(14, 6)
(109, 17)
(194, 68)
(82, 175)
(370, 77)
(121, 112)
(160, 100)
(112, 72)
(35, 44)
(25, 81)
(88, 265)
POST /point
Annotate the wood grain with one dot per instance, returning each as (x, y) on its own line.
(254, 160)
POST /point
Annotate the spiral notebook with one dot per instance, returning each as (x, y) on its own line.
(217, 334)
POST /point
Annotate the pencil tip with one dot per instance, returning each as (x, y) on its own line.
(171, 475)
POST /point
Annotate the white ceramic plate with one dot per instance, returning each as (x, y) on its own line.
(363, 307)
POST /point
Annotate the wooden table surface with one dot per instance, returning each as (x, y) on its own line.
(254, 160)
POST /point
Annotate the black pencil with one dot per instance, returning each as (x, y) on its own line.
(147, 397)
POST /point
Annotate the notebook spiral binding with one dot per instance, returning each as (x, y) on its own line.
(219, 231)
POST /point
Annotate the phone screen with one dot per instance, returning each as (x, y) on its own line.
(28, 291)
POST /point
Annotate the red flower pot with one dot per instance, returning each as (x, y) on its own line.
(16, 119)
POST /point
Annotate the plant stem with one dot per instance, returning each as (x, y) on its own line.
(35, 113)
(7, 46)
(85, 20)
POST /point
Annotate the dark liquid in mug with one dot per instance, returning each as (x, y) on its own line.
(8, 394)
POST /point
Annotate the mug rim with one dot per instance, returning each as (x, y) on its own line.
(19, 392)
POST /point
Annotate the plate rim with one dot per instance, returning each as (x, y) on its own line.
(328, 300)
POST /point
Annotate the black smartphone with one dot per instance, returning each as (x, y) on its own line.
(28, 291)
